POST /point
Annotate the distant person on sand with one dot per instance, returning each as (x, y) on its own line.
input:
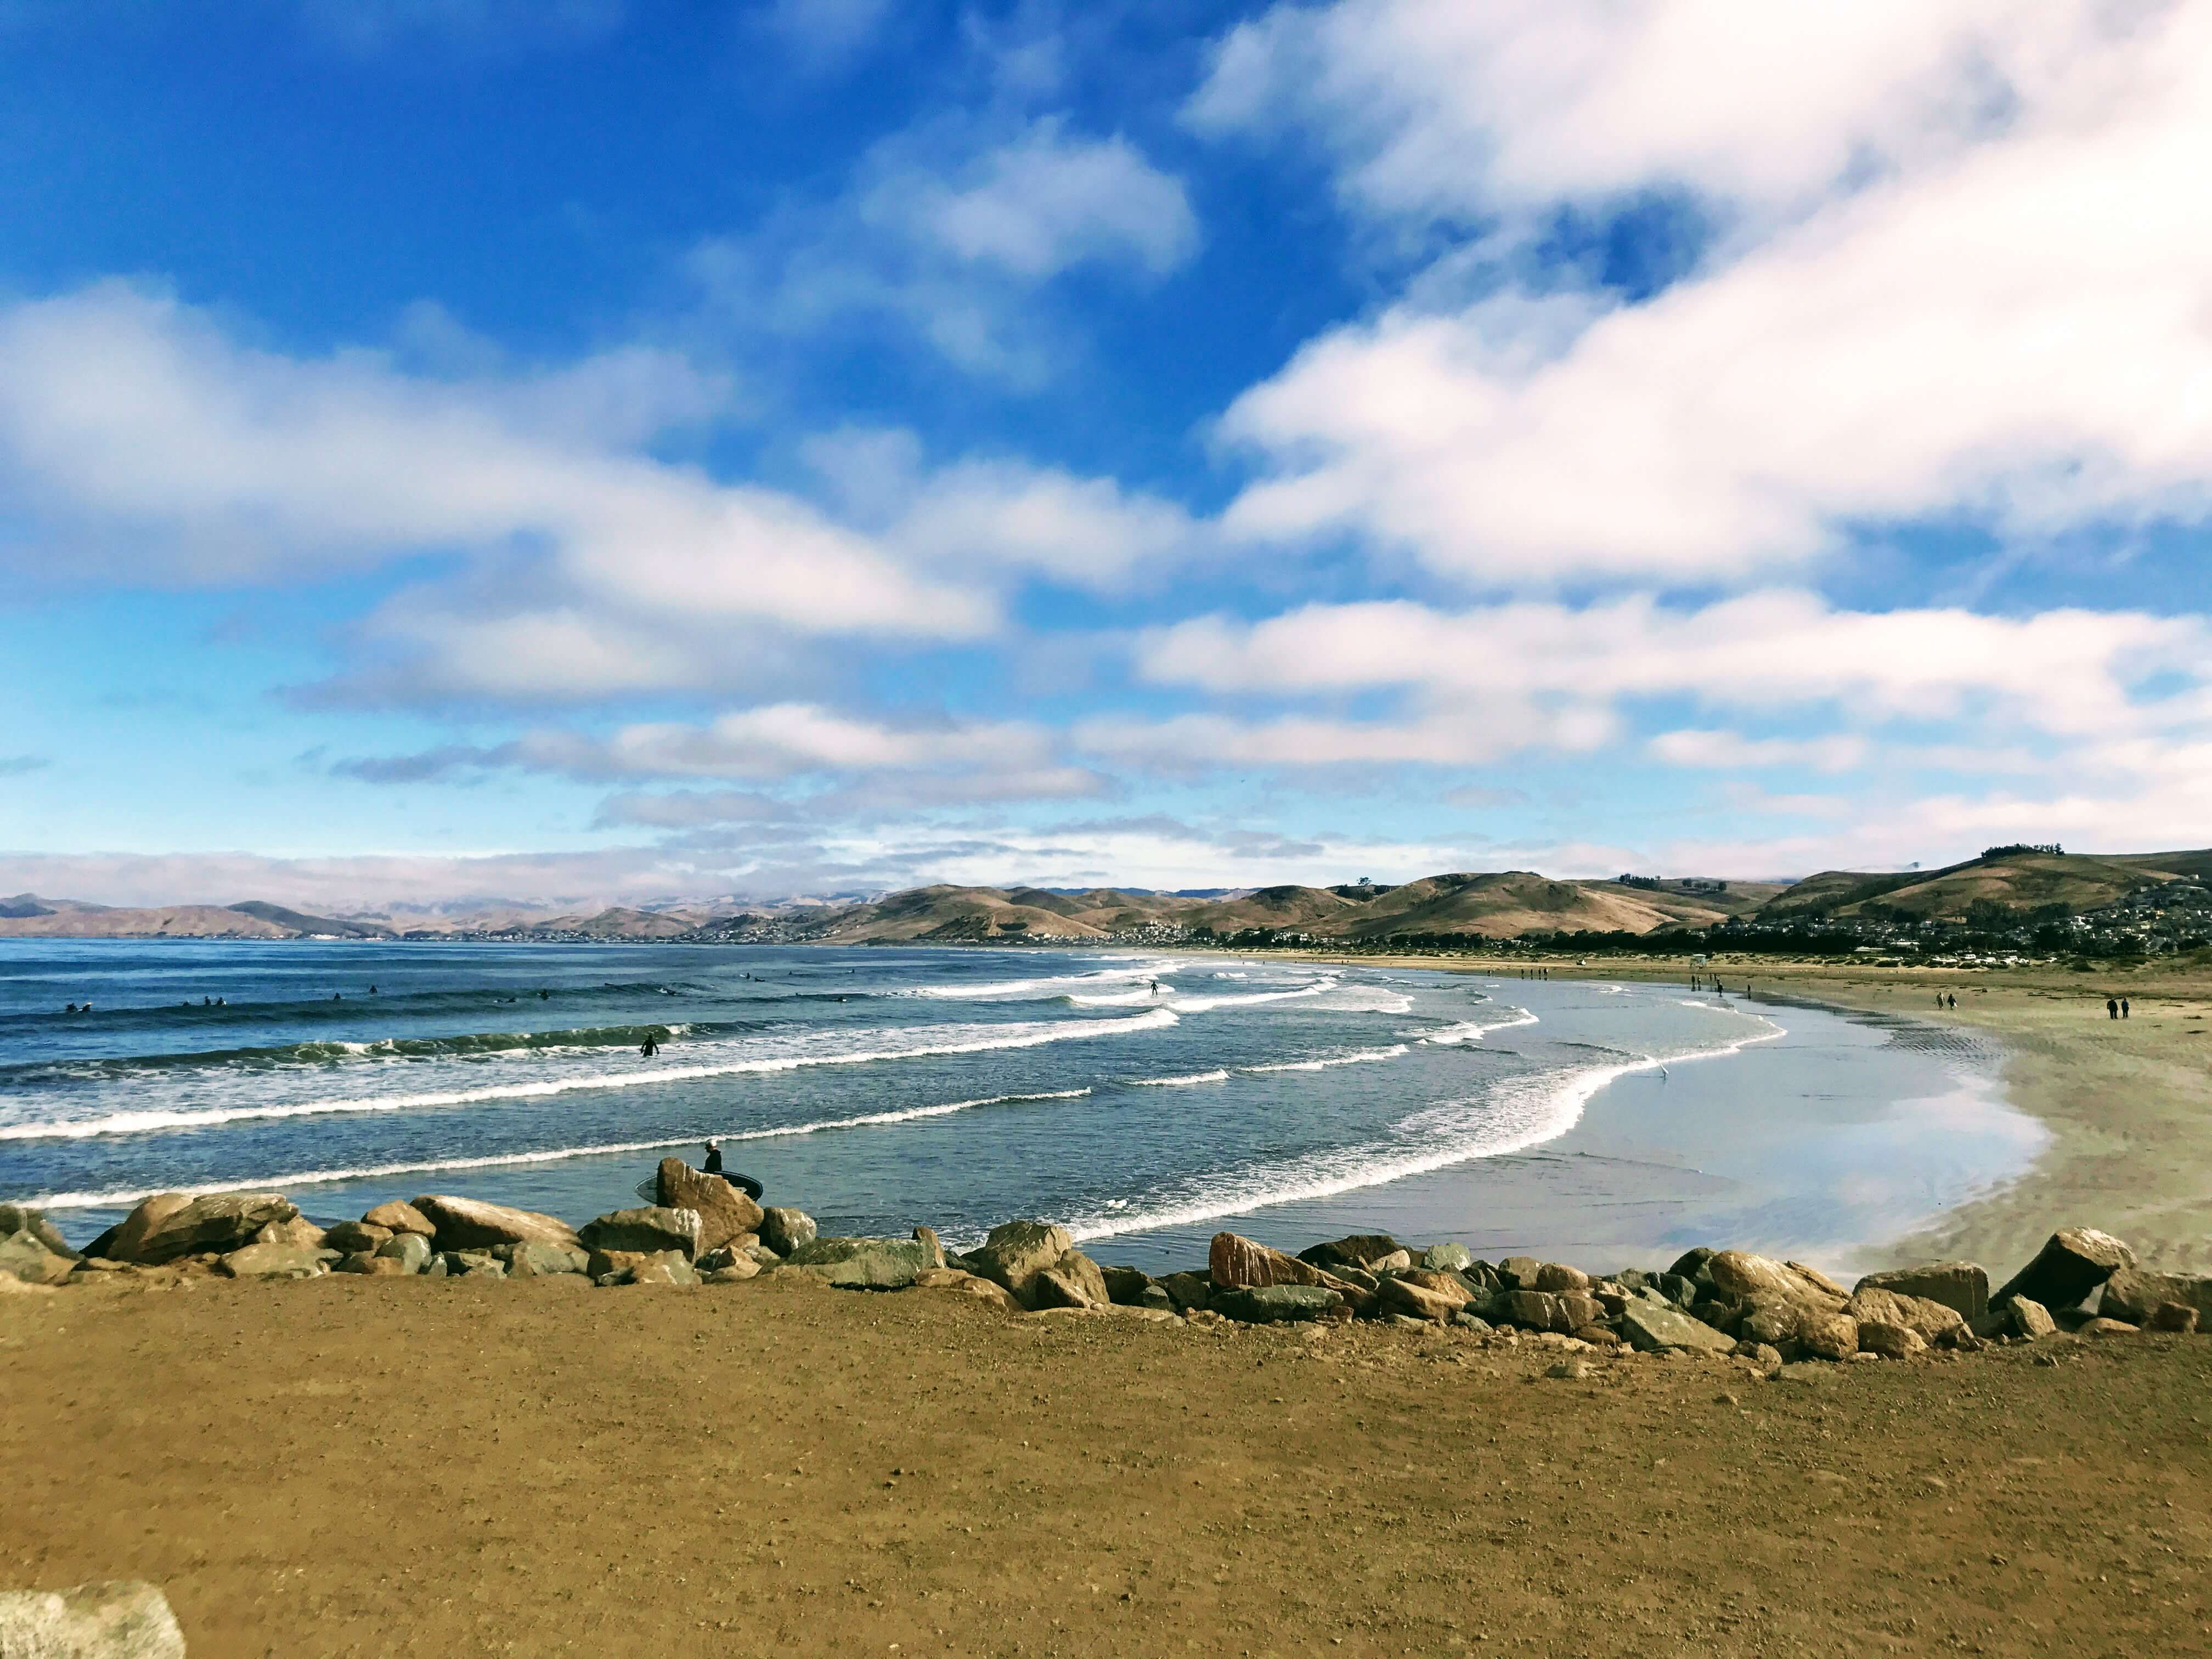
(743, 1183)
(2123, 1007)
(2111, 1007)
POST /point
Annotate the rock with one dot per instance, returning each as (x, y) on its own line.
(927, 1238)
(1598, 1336)
(1828, 1335)
(1567, 1370)
(1773, 1324)
(1519, 1272)
(761, 1254)
(1961, 1286)
(16, 1219)
(1576, 1311)
(2174, 1316)
(536, 1260)
(351, 1238)
(1127, 1286)
(1691, 1263)
(1403, 1296)
(612, 1266)
(1753, 1278)
(1650, 1325)
(121, 1619)
(870, 1264)
(651, 1229)
(1930, 1321)
(2072, 1263)
(1356, 1250)
(299, 1231)
(472, 1264)
(1555, 1278)
(1273, 1304)
(1396, 1262)
(411, 1250)
(1891, 1341)
(373, 1267)
(1536, 1310)
(668, 1268)
(1447, 1286)
(2026, 1318)
(1680, 1290)
(785, 1231)
(25, 1259)
(734, 1271)
(1764, 1356)
(272, 1262)
(1818, 1280)
(1467, 1322)
(1234, 1262)
(1074, 1281)
(162, 1230)
(465, 1224)
(399, 1218)
(1447, 1258)
(2134, 1293)
(434, 1267)
(962, 1283)
(1015, 1253)
(724, 1210)
(1187, 1291)
(1156, 1299)
(2103, 1326)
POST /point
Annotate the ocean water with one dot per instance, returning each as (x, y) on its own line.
(1143, 1100)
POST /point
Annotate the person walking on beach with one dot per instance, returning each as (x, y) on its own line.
(2111, 1007)
(2123, 1007)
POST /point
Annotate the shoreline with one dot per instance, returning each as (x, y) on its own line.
(2127, 1104)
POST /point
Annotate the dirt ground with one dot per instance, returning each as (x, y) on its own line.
(424, 1467)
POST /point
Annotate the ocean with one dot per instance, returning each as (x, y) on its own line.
(1143, 1100)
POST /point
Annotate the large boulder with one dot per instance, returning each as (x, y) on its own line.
(299, 1233)
(2072, 1263)
(651, 1229)
(273, 1261)
(862, 1264)
(1400, 1295)
(1447, 1258)
(784, 1231)
(536, 1260)
(1559, 1279)
(467, 1224)
(962, 1283)
(1074, 1281)
(1890, 1341)
(642, 1268)
(1650, 1323)
(1015, 1253)
(1188, 1291)
(372, 1267)
(169, 1224)
(401, 1218)
(16, 1219)
(1235, 1262)
(2134, 1294)
(122, 1619)
(1829, 1335)
(411, 1250)
(24, 1257)
(351, 1238)
(1749, 1277)
(1273, 1304)
(2026, 1318)
(1127, 1286)
(725, 1212)
(1961, 1286)
(1930, 1321)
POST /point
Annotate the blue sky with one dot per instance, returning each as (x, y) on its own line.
(585, 450)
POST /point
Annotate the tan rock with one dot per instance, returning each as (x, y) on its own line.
(1818, 1280)
(2172, 1316)
(2133, 1294)
(1755, 1278)
(1889, 1340)
(350, 1236)
(1443, 1284)
(1962, 1286)
(1074, 1281)
(725, 1212)
(1015, 1253)
(1932, 1321)
(2102, 1326)
(2028, 1318)
(1234, 1262)
(160, 1229)
(299, 1233)
(2073, 1261)
(1827, 1335)
(1558, 1279)
(276, 1260)
(466, 1223)
(400, 1217)
(373, 1267)
(1400, 1295)
(121, 1619)
(967, 1285)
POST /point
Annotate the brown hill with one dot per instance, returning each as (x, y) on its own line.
(2017, 881)
(946, 915)
(1503, 904)
(168, 921)
(1313, 908)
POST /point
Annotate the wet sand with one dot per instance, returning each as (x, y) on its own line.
(346, 1466)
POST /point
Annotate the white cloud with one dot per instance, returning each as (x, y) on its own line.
(1731, 749)
(1459, 736)
(2011, 329)
(955, 230)
(825, 33)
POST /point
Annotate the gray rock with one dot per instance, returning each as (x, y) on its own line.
(2135, 1293)
(537, 1261)
(350, 1238)
(2021, 1315)
(372, 1267)
(272, 1262)
(1074, 1281)
(649, 1231)
(873, 1264)
(466, 1223)
(1275, 1304)
(2072, 1263)
(168, 1225)
(1015, 1253)
(1447, 1258)
(761, 1256)
(1467, 1322)
(725, 1212)
(1691, 1263)
(1127, 1286)
(927, 1238)
(1187, 1291)
(16, 1219)
(122, 1619)
(1356, 1250)
(1536, 1310)
(24, 1256)
(473, 1264)
(729, 1268)
(1961, 1286)
(785, 1231)
(1679, 1289)
(1650, 1324)
(1518, 1273)
(1157, 1298)
(434, 1267)
(411, 1249)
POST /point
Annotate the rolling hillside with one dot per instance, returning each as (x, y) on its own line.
(2017, 881)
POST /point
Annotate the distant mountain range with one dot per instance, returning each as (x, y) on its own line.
(1497, 905)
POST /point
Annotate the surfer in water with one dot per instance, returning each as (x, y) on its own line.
(743, 1183)
(649, 1048)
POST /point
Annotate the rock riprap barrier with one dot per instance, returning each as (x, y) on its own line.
(703, 1231)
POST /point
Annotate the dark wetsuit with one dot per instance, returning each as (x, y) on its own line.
(743, 1183)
